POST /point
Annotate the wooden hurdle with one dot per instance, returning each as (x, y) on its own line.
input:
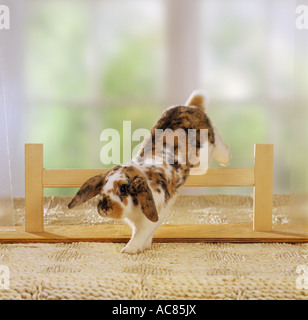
(260, 177)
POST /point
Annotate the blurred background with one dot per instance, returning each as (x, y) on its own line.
(75, 68)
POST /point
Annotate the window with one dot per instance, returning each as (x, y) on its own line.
(90, 65)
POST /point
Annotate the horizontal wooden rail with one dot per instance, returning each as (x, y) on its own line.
(215, 177)
(223, 177)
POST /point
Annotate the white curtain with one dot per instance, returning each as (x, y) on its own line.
(6, 198)
(11, 112)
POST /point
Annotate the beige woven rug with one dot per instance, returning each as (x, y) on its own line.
(167, 271)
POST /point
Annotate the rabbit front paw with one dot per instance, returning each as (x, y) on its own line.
(131, 249)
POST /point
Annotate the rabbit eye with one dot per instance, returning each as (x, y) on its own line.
(123, 189)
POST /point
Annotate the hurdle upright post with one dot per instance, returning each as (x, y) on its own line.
(34, 191)
(263, 187)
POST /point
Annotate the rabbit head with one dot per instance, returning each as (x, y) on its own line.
(122, 190)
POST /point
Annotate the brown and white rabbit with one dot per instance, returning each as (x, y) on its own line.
(141, 191)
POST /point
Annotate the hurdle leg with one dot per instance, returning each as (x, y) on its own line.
(34, 192)
(263, 187)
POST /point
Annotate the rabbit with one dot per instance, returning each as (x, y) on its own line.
(141, 191)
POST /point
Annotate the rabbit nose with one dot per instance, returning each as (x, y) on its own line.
(103, 204)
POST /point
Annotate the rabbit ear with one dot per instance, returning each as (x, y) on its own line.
(91, 188)
(145, 198)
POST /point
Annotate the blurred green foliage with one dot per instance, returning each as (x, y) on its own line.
(133, 70)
